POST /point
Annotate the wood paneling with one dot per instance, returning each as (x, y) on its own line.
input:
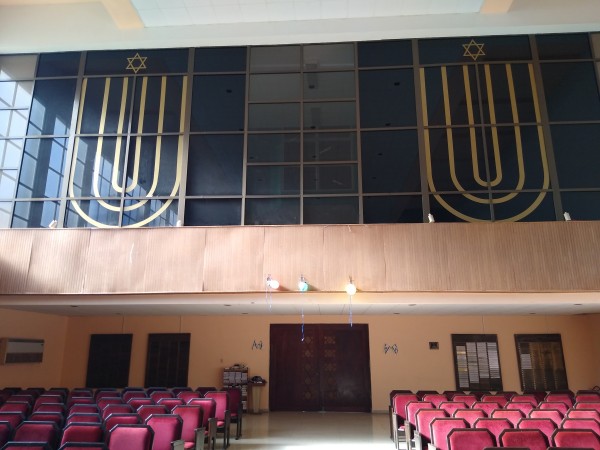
(503, 257)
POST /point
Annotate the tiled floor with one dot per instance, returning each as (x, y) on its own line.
(313, 431)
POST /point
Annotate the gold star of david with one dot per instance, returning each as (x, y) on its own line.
(473, 49)
(136, 63)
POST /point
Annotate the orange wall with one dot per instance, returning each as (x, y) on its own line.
(219, 341)
(50, 328)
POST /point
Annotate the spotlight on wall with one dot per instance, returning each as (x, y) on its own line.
(53, 224)
(567, 216)
(179, 223)
(350, 288)
(272, 283)
(302, 284)
(430, 217)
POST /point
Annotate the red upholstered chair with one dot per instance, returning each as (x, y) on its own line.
(399, 403)
(529, 398)
(450, 407)
(47, 399)
(470, 439)
(531, 439)
(105, 401)
(209, 422)
(552, 414)
(126, 396)
(222, 413)
(487, 407)
(436, 399)
(494, 426)
(546, 426)
(82, 432)
(26, 446)
(18, 407)
(578, 405)
(55, 417)
(423, 419)
(410, 424)
(581, 424)
(470, 415)
(565, 398)
(576, 438)
(121, 419)
(80, 401)
(202, 390)
(116, 409)
(441, 428)
(6, 432)
(146, 411)
(157, 395)
(167, 431)
(524, 407)
(587, 396)
(391, 407)
(178, 389)
(479, 394)
(578, 414)
(423, 393)
(47, 432)
(513, 415)
(81, 392)
(130, 437)
(509, 394)
(51, 407)
(498, 398)
(186, 396)
(135, 403)
(192, 432)
(83, 418)
(29, 398)
(170, 403)
(102, 393)
(450, 394)
(236, 408)
(14, 418)
(468, 399)
(83, 446)
(558, 406)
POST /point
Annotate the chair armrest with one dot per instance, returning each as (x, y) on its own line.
(199, 435)
(177, 445)
(431, 447)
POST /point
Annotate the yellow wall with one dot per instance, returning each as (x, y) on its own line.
(50, 328)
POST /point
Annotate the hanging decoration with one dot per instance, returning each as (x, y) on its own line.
(350, 290)
(302, 287)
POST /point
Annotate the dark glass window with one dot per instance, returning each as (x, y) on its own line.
(330, 179)
(17, 67)
(141, 62)
(215, 165)
(387, 98)
(34, 214)
(328, 56)
(571, 91)
(330, 210)
(577, 155)
(272, 211)
(152, 92)
(213, 212)
(279, 116)
(92, 213)
(525, 207)
(273, 180)
(275, 87)
(105, 101)
(332, 115)
(460, 207)
(283, 58)
(218, 103)
(329, 147)
(564, 46)
(220, 59)
(273, 148)
(329, 85)
(393, 209)
(15, 94)
(476, 362)
(384, 53)
(151, 213)
(541, 362)
(582, 205)
(58, 64)
(390, 161)
(52, 107)
(42, 168)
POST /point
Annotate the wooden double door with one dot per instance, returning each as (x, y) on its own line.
(327, 371)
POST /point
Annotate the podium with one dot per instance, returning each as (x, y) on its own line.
(255, 397)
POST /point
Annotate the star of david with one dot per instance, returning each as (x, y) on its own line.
(136, 63)
(473, 49)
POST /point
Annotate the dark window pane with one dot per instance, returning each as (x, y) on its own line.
(17, 67)
(34, 214)
(384, 53)
(273, 180)
(329, 56)
(329, 85)
(581, 205)
(272, 211)
(469, 49)
(218, 103)
(92, 213)
(387, 98)
(283, 58)
(322, 116)
(220, 59)
(213, 212)
(274, 87)
(396, 209)
(8, 183)
(5, 213)
(150, 213)
(459, 208)
(563, 46)
(154, 92)
(52, 107)
(284, 116)
(329, 147)
(577, 155)
(330, 179)
(141, 62)
(571, 91)
(326, 210)
(89, 152)
(15, 94)
(13, 123)
(105, 103)
(453, 153)
(58, 64)
(148, 176)
(525, 207)
(451, 95)
(512, 93)
(390, 161)
(42, 168)
(10, 152)
(215, 165)
(273, 148)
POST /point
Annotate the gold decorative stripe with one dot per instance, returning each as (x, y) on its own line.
(116, 183)
(492, 108)
(138, 140)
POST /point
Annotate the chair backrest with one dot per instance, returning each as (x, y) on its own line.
(524, 407)
(498, 398)
(488, 407)
(170, 403)
(157, 395)
(423, 421)
(47, 399)
(51, 407)
(83, 446)
(531, 439)
(412, 408)
(37, 432)
(513, 415)
(20, 407)
(105, 401)
(470, 415)
(450, 394)
(137, 402)
(14, 418)
(102, 393)
(26, 446)
(559, 406)
(399, 403)
(121, 419)
(235, 400)
(585, 405)
(208, 406)
(186, 396)
(587, 396)
(436, 399)
(117, 409)
(201, 390)
(553, 414)
(22, 398)
(441, 428)
(130, 437)
(563, 398)
(495, 426)
(191, 416)
(576, 438)
(450, 407)
(581, 424)
(82, 432)
(546, 426)
(178, 389)
(126, 396)
(468, 399)
(146, 411)
(55, 417)
(6, 431)
(80, 401)
(470, 439)
(222, 400)
(579, 414)
(167, 428)
(393, 393)
(422, 393)
(84, 418)
(529, 398)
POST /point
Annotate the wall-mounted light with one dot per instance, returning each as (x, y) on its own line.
(351, 288)
(567, 216)
(302, 284)
(53, 224)
(430, 217)
(272, 283)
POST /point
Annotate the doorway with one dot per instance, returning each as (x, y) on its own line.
(168, 359)
(327, 371)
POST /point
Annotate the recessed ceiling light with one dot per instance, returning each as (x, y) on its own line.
(578, 304)
(397, 314)
(226, 305)
(532, 313)
(412, 304)
(74, 306)
(244, 314)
